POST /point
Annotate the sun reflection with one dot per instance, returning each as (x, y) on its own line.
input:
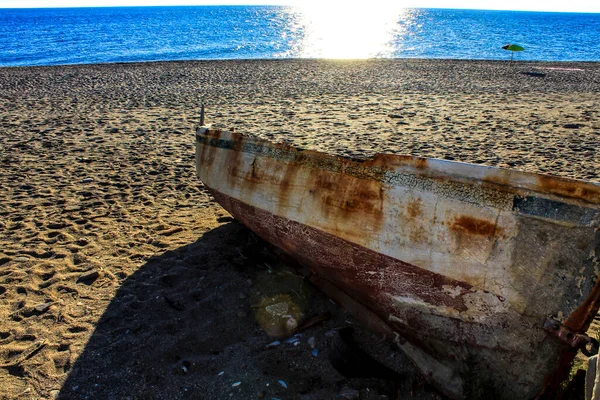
(332, 29)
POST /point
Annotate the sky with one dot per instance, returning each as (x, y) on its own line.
(526, 5)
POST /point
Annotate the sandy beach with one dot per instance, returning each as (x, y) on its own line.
(120, 277)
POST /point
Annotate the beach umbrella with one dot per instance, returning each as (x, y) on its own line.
(512, 48)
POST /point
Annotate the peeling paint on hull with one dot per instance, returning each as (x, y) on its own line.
(457, 263)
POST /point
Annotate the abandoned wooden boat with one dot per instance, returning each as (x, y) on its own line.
(483, 276)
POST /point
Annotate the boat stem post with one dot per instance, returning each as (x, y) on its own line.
(202, 114)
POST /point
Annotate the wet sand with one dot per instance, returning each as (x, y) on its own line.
(121, 278)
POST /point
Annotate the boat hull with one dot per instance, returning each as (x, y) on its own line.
(460, 265)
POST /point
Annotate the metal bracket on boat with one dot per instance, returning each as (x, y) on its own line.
(588, 346)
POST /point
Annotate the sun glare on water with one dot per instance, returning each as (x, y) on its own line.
(345, 30)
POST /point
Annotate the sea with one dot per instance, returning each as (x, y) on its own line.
(34, 37)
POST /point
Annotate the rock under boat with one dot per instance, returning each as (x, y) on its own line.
(479, 274)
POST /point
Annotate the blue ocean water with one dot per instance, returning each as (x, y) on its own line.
(126, 34)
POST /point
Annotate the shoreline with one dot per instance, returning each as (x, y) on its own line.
(275, 60)
(110, 245)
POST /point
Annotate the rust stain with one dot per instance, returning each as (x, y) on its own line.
(348, 194)
(286, 183)
(234, 159)
(390, 160)
(348, 198)
(474, 226)
(325, 181)
(325, 186)
(569, 188)
(413, 208)
(418, 235)
(359, 196)
(207, 153)
(421, 163)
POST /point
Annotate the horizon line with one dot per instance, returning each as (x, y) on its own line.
(283, 5)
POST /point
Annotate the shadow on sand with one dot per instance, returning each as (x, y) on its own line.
(184, 317)
(183, 326)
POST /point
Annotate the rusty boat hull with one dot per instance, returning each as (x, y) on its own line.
(483, 276)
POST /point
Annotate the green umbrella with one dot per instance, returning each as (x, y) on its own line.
(512, 48)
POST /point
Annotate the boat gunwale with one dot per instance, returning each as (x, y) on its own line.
(580, 192)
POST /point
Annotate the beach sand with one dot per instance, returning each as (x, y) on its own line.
(121, 278)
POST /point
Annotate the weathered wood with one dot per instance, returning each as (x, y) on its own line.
(460, 264)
